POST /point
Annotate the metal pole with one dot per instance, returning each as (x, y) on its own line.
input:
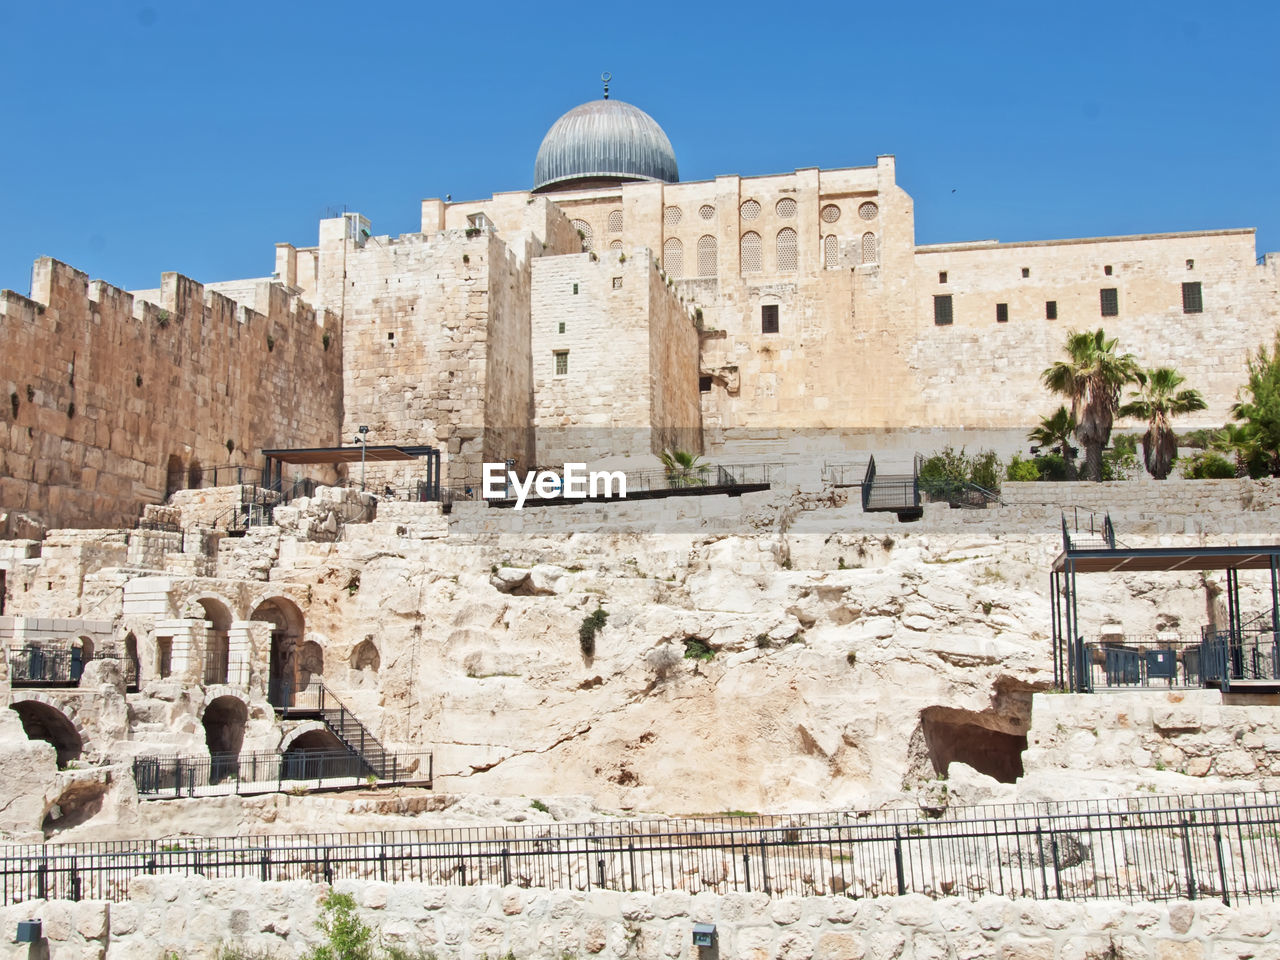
(364, 445)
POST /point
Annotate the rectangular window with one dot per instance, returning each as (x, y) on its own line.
(1051, 309)
(942, 276)
(704, 384)
(1192, 298)
(1002, 313)
(164, 656)
(1026, 272)
(1110, 300)
(1107, 269)
(617, 283)
(942, 309)
(769, 318)
(575, 289)
(562, 362)
(560, 328)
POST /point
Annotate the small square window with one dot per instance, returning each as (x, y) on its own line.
(575, 286)
(704, 384)
(617, 283)
(1051, 309)
(1110, 301)
(1191, 264)
(1002, 313)
(560, 327)
(769, 318)
(1107, 269)
(562, 362)
(942, 309)
(391, 336)
(1192, 298)
(942, 276)
(1026, 272)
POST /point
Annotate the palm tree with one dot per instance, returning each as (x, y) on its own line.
(1157, 401)
(1241, 442)
(1056, 430)
(684, 469)
(1092, 379)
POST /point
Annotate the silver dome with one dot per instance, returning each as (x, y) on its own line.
(604, 140)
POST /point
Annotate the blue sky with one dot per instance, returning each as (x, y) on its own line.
(148, 136)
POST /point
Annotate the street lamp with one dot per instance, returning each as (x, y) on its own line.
(362, 438)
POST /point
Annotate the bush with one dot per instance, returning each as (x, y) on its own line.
(1022, 471)
(592, 624)
(946, 474)
(347, 937)
(1208, 466)
(1052, 467)
(697, 649)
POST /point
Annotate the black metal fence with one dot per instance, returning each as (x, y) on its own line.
(59, 664)
(228, 773)
(1159, 848)
(1162, 661)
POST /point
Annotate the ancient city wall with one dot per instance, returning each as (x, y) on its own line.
(193, 917)
(112, 401)
(675, 408)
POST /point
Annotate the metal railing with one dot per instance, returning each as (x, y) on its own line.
(1152, 849)
(844, 474)
(1091, 533)
(60, 664)
(251, 773)
(1157, 660)
(217, 660)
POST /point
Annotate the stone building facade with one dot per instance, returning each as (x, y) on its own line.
(611, 311)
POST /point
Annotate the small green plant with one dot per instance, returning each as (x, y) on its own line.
(851, 658)
(1160, 765)
(842, 565)
(622, 258)
(298, 790)
(540, 806)
(697, 649)
(1022, 471)
(347, 937)
(763, 641)
(466, 258)
(371, 780)
(592, 624)
(353, 584)
(162, 318)
(986, 608)
(231, 952)
(271, 343)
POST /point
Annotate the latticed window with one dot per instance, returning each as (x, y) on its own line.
(750, 252)
(616, 246)
(942, 309)
(615, 221)
(786, 208)
(831, 251)
(868, 210)
(584, 232)
(1109, 299)
(706, 211)
(870, 254)
(673, 257)
(671, 216)
(1192, 298)
(786, 250)
(750, 210)
(617, 283)
(707, 256)
(830, 213)
(562, 362)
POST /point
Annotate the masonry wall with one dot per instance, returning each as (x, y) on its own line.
(110, 401)
(194, 916)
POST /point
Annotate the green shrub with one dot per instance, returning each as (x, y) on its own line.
(1052, 467)
(347, 937)
(1208, 466)
(697, 649)
(1022, 471)
(592, 624)
(945, 475)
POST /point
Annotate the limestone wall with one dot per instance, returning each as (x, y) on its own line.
(193, 917)
(112, 401)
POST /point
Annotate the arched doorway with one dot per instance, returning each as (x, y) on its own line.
(224, 720)
(316, 754)
(365, 663)
(195, 475)
(216, 643)
(310, 663)
(40, 721)
(173, 475)
(132, 665)
(286, 637)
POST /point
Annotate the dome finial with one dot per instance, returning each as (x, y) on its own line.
(606, 77)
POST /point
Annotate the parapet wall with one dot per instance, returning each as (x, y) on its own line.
(192, 917)
(111, 401)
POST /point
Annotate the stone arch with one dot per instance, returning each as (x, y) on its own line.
(707, 264)
(310, 662)
(44, 721)
(195, 475)
(786, 250)
(304, 727)
(316, 752)
(173, 473)
(224, 719)
(86, 647)
(217, 649)
(870, 250)
(749, 252)
(673, 257)
(287, 626)
(365, 656)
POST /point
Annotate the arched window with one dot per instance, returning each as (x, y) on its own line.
(750, 252)
(707, 256)
(616, 246)
(786, 250)
(673, 258)
(831, 251)
(869, 251)
(584, 232)
(615, 221)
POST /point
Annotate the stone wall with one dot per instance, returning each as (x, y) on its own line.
(111, 401)
(192, 917)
